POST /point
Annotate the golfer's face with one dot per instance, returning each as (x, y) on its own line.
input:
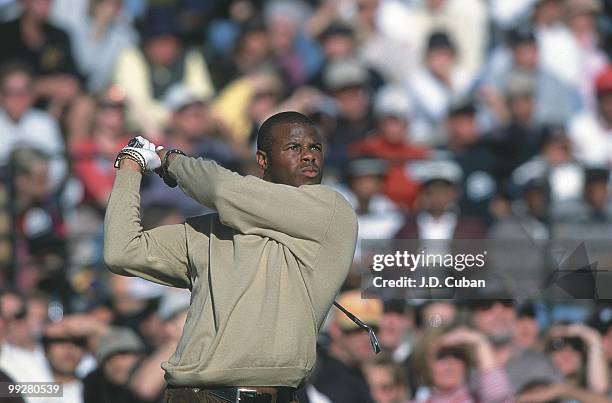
(296, 157)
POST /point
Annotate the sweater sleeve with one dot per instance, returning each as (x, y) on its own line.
(158, 255)
(251, 205)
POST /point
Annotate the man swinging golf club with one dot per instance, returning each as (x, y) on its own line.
(263, 271)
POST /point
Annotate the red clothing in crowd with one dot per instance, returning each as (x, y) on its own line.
(93, 169)
(398, 185)
(377, 146)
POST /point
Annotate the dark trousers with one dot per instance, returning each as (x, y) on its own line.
(189, 395)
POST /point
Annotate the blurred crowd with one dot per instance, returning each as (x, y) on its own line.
(443, 119)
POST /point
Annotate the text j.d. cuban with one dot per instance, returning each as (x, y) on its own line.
(428, 282)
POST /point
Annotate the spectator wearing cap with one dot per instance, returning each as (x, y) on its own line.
(347, 82)
(194, 128)
(529, 218)
(518, 52)
(22, 125)
(521, 137)
(555, 100)
(415, 22)
(377, 215)
(47, 49)
(493, 313)
(437, 83)
(443, 359)
(576, 350)
(596, 195)
(338, 374)
(99, 32)
(555, 161)
(588, 218)
(436, 214)
(591, 131)
(338, 41)
(390, 140)
(119, 353)
(146, 73)
(476, 156)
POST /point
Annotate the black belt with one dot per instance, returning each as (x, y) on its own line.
(255, 394)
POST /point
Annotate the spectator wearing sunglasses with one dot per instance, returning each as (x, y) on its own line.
(577, 351)
(64, 348)
(21, 357)
(443, 360)
(338, 375)
(496, 318)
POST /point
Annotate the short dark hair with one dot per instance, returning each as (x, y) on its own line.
(264, 134)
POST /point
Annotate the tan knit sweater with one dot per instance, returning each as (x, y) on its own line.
(263, 272)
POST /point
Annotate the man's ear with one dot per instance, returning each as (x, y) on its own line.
(262, 159)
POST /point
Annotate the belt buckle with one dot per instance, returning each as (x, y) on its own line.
(246, 393)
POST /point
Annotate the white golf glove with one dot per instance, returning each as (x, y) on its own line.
(142, 151)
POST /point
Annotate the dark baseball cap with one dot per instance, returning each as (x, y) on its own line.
(461, 106)
(596, 174)
(521, 35)
(336, 28)
(440, 40)
(160, 21)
